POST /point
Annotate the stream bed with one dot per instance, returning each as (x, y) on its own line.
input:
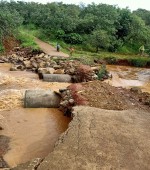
(29, 133)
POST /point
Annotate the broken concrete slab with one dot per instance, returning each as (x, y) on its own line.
(102, 139)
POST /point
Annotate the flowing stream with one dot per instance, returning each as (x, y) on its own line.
(32, 132)
(128, 77)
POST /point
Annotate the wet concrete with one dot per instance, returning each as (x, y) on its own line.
(99, 139)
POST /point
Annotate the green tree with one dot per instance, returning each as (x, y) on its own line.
(9, 21)
(144, 14)
(100, 39)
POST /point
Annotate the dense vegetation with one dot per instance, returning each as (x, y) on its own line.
(92, 28)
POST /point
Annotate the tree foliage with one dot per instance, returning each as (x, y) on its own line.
(101, 26)
(9, 20)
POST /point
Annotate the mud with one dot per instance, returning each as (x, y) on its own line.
(32, 132)
(125, 76)
(4, 147)
(99, 139)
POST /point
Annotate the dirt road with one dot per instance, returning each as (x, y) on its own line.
(48, 49)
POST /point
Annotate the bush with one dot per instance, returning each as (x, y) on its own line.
(138, 62)
(73, 38)
(102, 73)
(60, 34)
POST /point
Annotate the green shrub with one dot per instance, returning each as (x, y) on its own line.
(138, 62)
(60, 34)
(73, 38)
(102, 73)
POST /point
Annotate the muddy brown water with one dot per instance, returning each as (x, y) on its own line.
(33, 132)
(128, 77)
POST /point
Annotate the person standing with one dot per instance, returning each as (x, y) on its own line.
(58, 47)
(141, 50)
(71, 51)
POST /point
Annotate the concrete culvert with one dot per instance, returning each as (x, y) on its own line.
(41, 99)
(57, 78)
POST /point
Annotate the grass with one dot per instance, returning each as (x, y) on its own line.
(112, 58)
(28, 33)
(26, 39)
(31, 31)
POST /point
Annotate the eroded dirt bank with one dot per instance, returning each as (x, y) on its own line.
(101, 139)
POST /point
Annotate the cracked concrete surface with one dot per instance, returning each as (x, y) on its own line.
(100, 139)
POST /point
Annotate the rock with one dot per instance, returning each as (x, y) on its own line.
(1, 128)
(71, 71)
(16, 48)
(64, 103)
(56, 67)
(53, 63)
(25, 59)
(34, 69)
(42, 64)
(42, 70)
(13, 68)
(27, 64)
(147, 102)
(46, 58)
(94, 77)
(20, 67)
(71, 101)
(47, 64)
(50, 70)
(62, 90)
(5, 60)
(3, 164)
(41, 55)
(59, 71)
(21, 59)
(34, 64)
(136, 90)
(39, 61)
(1, 61)
(95, 69)
(14, 56)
